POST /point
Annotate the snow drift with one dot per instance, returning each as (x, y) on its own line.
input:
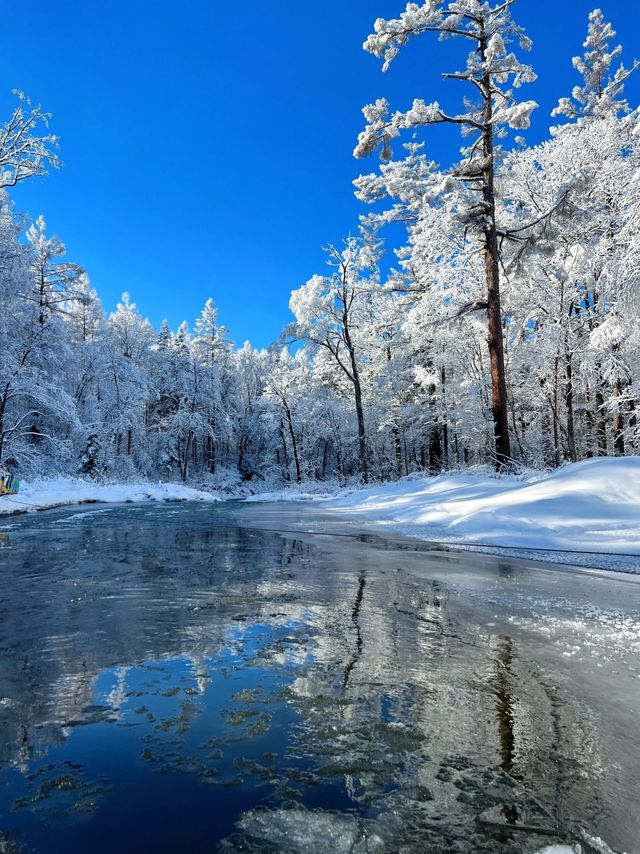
(592, 506)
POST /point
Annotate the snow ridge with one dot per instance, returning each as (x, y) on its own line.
(588, 507)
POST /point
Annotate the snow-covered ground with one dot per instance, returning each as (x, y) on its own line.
(587, 513)
(589, 507)
(44, 494)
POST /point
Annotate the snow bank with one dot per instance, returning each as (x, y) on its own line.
(592, 506)
(310, 491)
(44, 494)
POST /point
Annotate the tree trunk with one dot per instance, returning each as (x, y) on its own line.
(3, 406)
(554, 413)
(362, 436)
(355, 379)
(618, 421)
(294, 443)
(357, 388)
(325, 456)
(285, 452)
(435, 451)
(211, 454)
(492, 272)
(445, 424)
(398, 450)
(184, 465)
(568, 402)
(633, 423)
(395, 432)
(601, 427)
(590, 422)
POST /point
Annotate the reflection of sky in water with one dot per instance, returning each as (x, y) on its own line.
(181, 681)
(158, 732)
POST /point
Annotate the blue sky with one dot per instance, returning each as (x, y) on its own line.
(207, 146)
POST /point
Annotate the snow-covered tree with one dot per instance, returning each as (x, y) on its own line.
(54, 282)
(492, 72)
(326, 309)
(24, 154)
(600, 94)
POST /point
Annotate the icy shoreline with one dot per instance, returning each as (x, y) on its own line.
(47, 494)
(585, 514)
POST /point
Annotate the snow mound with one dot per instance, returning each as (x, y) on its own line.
(592, 506)
(45, 494)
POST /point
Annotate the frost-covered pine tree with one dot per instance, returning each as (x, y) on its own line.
(212, 348)
(600, 93)
(125, 389)
(54, 282)
(492, 73)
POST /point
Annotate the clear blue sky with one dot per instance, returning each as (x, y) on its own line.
(207, 145)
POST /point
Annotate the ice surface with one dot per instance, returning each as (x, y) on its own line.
(301, 830)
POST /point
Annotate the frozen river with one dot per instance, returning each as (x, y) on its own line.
(265, 678)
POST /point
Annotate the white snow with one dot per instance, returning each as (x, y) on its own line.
(589, 507)
(592, 505)
(44, 494)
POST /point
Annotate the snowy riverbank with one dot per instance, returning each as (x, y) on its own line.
(586, 514)
(45, 494)
(591, 507)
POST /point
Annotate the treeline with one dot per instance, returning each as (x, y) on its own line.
(504, 332)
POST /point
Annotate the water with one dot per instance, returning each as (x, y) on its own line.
(197, 678)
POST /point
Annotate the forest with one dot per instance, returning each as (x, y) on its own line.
(500, 330)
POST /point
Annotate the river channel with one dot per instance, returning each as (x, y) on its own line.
(236, 677)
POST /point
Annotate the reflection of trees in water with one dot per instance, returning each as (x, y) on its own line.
(398, 704)
(505, 713)
(355, 619)
(116, 590)
(412, 728)
(504, 703)
(547, 746)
